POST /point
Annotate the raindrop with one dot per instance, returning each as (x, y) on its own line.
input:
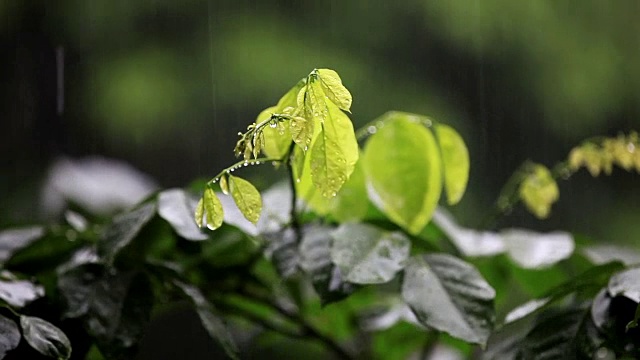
(428, 123)
(372, 129)
(274, 163)
(246, 163)
(298, 180)
(257, 163)
(305, 148)
(273, 125)
(239, 134)
(232, 169)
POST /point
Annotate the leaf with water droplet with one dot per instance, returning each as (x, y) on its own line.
(213, 209)
(351, 203)
(539, 190)
(224, 186)
(366, 254)
(455, 162)
(199, 213)
(334, 153)
(450, 295)
(246, 197)
(302, 131)
(403, 171)
(46, 338)
(333, 88)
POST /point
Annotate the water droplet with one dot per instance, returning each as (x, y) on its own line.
(428, 123)
(239, 134)
(232, 169)
(306, 148)
(228, 171)
(333, 194)
(257, 163)
(631, 147)
(246, 163)
(372, 129)
(379, 124)
(274, 163)
(273, 125)
(298, 180)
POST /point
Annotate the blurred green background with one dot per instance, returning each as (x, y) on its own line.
(166, 85)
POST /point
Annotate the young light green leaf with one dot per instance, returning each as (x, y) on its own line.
(277, 140)
(455, 162)
(213, 209)
(46, 338)
(539, 191)
(334, 153)
(302, 131)
(403, 170)
(199, 213)
(449, 295)
(224, 186)
(333, 88)
(247, 198)
(366, 254)
(351, 203)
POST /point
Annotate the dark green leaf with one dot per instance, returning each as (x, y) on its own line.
(315, 260)
(282, 248)
(626, 283)
(449, 295)
(211, 322)
(366, 254)
(9, 336)
(18, 293)
(123, 229)
(587, 282)
(557, 337)
(14, 239)
(176, 207)
(46, 338)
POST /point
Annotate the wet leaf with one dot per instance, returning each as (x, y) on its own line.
(19, 293)
(282, 248)
(302, 131)
(212, 209)
(246, 197)
(277, 140)
(403, 171)
(333, 88)
(455, 162)
(176, 207)
(449, 295)
(351, 203)
(199, 212)
(335, 151)
(539, 191)
(10, 336)
(532, 250)
(46, 338)
(366, 254)
(626, 283)
(315, 260)
(214, 325)
(224, 186)
(123, 229)
(12, 240)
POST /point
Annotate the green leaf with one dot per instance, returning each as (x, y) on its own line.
(277, 140)
(584, 284)
(335, 151)
(351, 203)
(302, 131)
(12, 240)
(315, 260)
(199, 212)
(46, 338)
(470, 242)
(403, 170)
(333, 88)
(176, 207)
(455, 162)
(626, 283)
(19, 293)
(211, 322)
(556, 337)
(212, 209)
(532, 250)
(10, 336)
(123, 229)
(283, 251)
(224, 186)
(449, 295)
(366, 254)
(539, 190)
(246, 197)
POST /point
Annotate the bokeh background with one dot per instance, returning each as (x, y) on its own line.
(166, 85)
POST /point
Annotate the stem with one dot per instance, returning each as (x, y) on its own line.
(295, 223)
(240, 164)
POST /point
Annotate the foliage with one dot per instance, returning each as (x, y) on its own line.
(362, 229)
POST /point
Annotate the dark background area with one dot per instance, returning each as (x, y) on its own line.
(166, 85)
